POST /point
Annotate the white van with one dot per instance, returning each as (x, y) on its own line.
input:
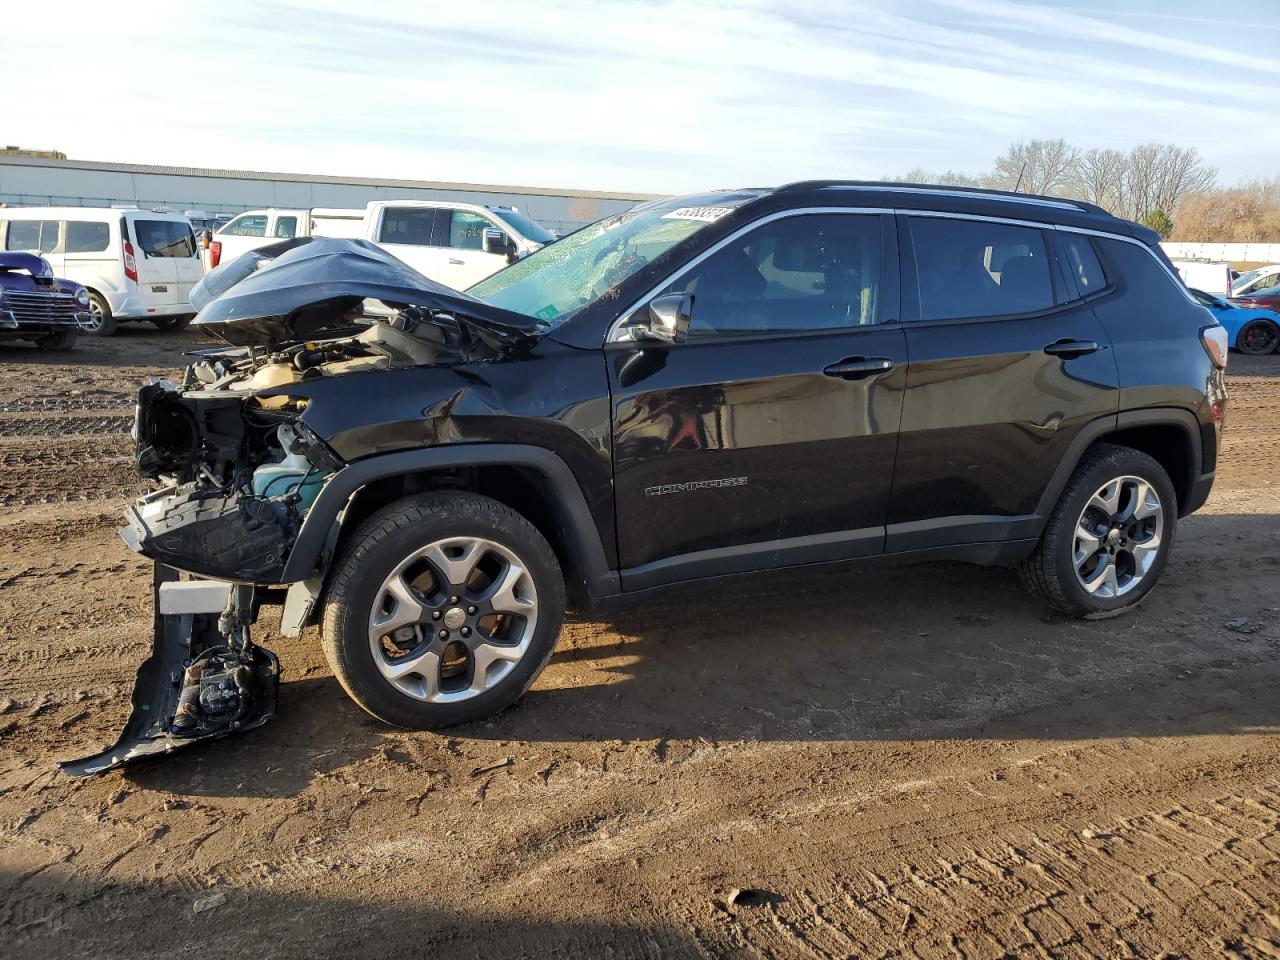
(454, 243)
(1211, 277)
(136, 265)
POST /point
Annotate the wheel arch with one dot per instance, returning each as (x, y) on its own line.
(531, 480)
(1170, 435)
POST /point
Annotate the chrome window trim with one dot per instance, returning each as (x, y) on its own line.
(1063, 228)
(613, 335)
(966, 192)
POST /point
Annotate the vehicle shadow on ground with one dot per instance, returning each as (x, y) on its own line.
(937, 652)
(79, 918)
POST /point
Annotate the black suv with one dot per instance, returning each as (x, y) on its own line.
(697, 388)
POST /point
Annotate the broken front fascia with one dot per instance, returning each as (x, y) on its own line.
(242, 467)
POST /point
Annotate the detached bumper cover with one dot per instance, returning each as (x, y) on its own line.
(191, 688)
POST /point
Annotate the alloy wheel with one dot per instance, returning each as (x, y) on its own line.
(1118, 537)
(1260, 338)
(453, 619)
(96, 317)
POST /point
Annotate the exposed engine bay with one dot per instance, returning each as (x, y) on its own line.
(238, 466)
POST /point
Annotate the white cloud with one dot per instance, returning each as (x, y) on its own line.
(645, 96)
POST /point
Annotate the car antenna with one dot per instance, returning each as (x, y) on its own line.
(1020, 174)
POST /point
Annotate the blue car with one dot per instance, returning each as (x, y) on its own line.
(1261, 328)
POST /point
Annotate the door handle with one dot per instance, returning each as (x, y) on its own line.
(1071, 348)
(856, 368)
(456, 263)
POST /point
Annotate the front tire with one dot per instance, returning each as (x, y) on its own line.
(101, 322)
(1258, 338)
(60, 341)
(1108, 539)
(443, 609)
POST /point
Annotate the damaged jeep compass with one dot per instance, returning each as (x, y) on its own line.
(699, 388)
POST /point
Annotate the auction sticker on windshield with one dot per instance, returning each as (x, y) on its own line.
(705, 214)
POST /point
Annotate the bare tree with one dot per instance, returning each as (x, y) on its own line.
(1036, 166)
(1099, 178)
(947, 178)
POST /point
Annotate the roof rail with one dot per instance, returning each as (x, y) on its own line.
(926, 188)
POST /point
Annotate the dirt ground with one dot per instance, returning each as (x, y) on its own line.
(918, 761)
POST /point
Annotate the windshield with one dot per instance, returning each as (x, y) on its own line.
(529, 229)
(588, 264)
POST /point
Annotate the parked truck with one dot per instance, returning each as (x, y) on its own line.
(457, 244)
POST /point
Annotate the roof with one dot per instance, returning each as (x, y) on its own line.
(970, 200)
(168, 171)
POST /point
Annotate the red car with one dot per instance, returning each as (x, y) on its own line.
(1268, 299)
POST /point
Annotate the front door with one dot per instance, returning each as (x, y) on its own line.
(465, 262)
(1008, 364)
(768, 436)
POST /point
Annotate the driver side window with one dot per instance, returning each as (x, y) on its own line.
(797, 274)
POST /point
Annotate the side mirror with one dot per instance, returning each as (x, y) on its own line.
(497, 242)
(669, 317)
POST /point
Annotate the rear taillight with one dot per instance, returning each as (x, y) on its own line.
(130, 264)
(215, 253)
(1215, 343)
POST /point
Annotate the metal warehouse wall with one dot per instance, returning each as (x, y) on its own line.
(38, 181)
(1227, 252)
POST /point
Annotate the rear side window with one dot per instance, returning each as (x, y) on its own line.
(1081, 262)
(164, 238)
(37, 235)
(86, 237)
(419, 226)
(973, 268)
(286, 227)
(250, 225)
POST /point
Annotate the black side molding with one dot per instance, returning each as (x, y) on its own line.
(570, 505)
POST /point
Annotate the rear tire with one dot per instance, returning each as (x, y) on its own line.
(1258, 338)
(101, 322)
(56, 342)
(1096, 560)
(173, 323)
(443, 609)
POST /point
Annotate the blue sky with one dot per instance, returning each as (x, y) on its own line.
(640, 96)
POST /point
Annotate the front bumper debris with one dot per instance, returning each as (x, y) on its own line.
(204, 679)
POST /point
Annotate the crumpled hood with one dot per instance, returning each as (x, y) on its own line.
(311, 288)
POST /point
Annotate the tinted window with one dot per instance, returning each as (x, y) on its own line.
(86, 237)
(1082, 263)
(286, 227)
(972, 268)
(531, 229)
(415, 225)
(466, 230)
(254, 225)
(812, 272)
(164, 238)
(38, 235)
(23, 235)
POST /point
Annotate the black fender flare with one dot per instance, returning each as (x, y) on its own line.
(323, 521)
(1096, 430)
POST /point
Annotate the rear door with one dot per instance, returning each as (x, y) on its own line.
(1008, 364)
(161, 247)
(417, 235)
(91, 257)
(767, 438)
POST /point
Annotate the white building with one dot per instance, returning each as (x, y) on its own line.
(42, 181)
